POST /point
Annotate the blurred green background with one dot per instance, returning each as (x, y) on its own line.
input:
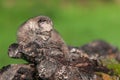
(78, 21)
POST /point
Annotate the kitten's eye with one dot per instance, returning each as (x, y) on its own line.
(42, 20)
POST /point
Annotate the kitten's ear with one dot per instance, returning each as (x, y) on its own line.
(42, 20)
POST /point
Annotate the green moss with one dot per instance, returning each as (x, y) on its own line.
(112, 64)
(115, 67)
